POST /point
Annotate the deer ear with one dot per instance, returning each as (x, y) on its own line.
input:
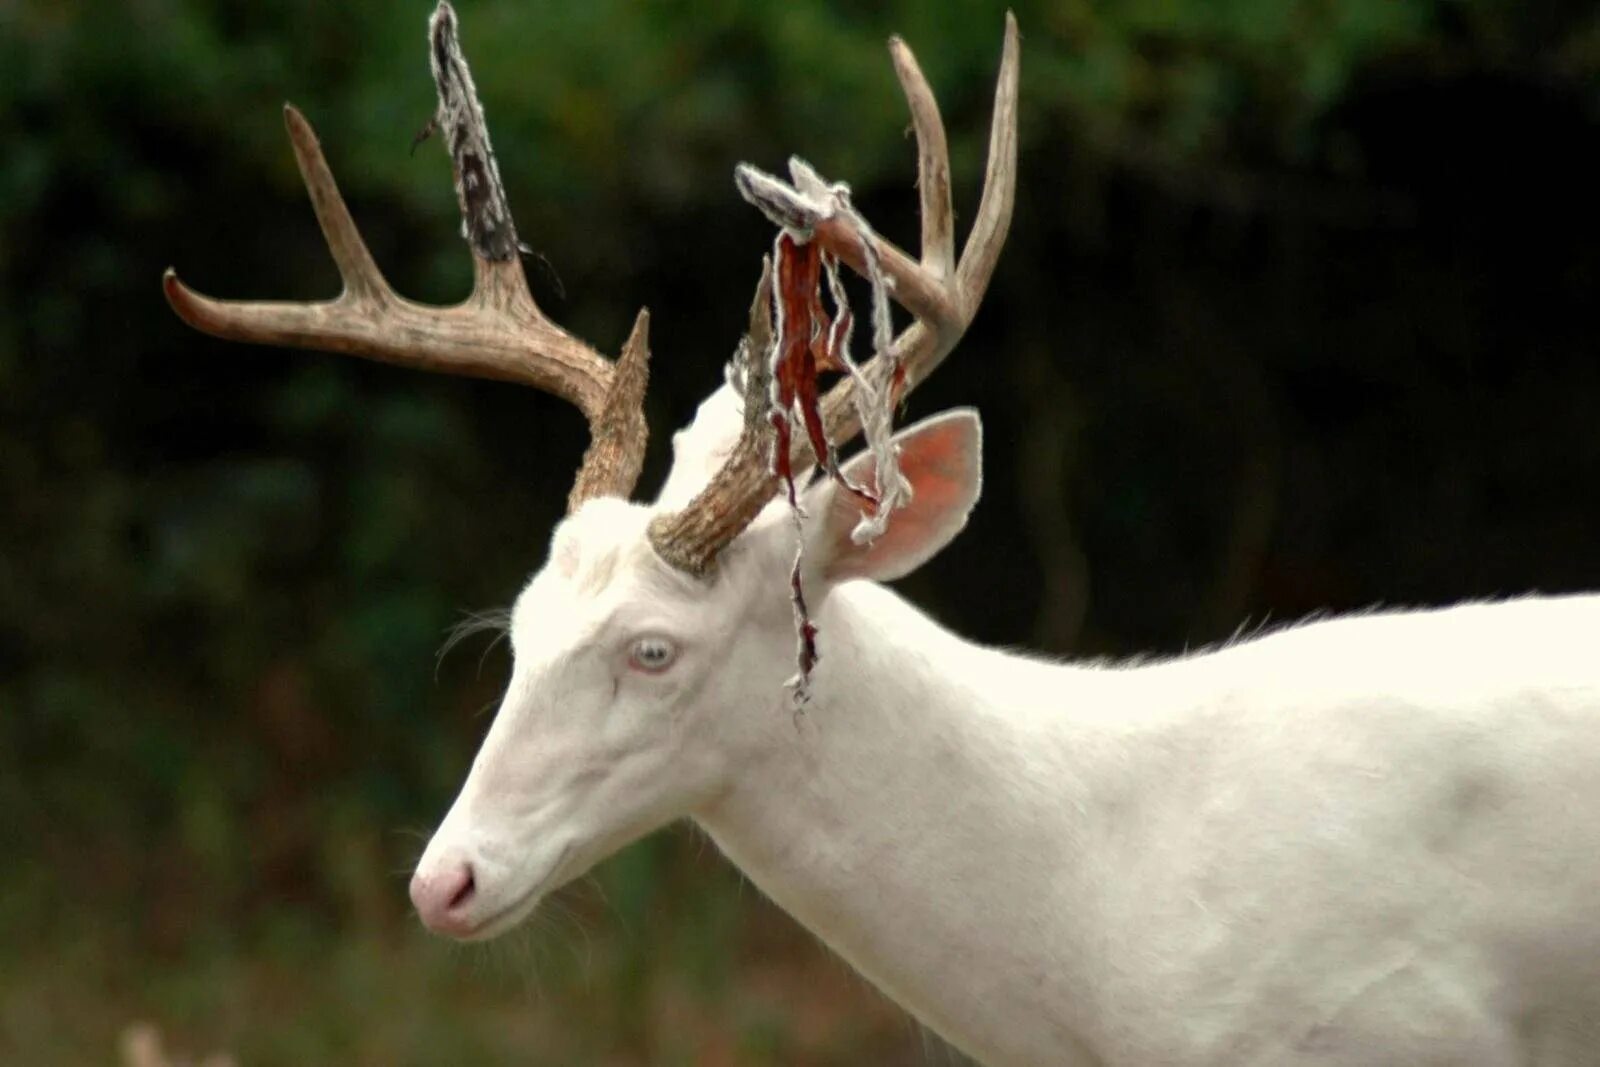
(942, 459)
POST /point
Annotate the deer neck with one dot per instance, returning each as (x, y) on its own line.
(913, 815)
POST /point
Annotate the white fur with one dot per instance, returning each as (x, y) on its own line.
(700, 448)
(1372, 840)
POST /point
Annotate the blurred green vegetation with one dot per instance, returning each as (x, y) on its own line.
(1298, 313)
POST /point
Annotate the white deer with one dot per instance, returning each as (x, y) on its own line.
(1365, 841)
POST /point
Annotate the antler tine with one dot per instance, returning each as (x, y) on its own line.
(498, 332)
(943, 299)
(618, 432)
(933, 162)
(992, 222)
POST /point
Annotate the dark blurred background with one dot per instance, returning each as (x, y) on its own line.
(1297, 313)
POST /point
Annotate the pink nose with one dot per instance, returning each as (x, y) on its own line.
(444, 896)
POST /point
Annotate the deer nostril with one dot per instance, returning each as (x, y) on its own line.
(463, 894)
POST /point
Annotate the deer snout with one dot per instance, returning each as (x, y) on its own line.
(443, 893)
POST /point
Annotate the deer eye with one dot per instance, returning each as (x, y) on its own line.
(652, 654)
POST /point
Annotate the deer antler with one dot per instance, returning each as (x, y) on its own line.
(941, 294)
(497, 332)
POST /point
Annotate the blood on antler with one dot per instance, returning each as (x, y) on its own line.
(498, 332)
(941, 294)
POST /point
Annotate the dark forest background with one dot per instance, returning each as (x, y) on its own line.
(1298, 313)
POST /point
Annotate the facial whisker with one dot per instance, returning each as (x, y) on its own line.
(491, 620)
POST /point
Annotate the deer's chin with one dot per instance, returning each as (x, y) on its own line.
(500, 922)
(501, 918)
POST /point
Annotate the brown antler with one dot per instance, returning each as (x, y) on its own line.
(497, 332)
(941, 295)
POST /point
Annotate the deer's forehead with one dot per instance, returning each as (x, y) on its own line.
(605, 539)
(601, 565)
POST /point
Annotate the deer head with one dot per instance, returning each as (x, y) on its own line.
(652, 647)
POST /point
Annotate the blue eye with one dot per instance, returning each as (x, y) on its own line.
(652, 654)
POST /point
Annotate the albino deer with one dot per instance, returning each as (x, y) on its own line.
(1364, 841)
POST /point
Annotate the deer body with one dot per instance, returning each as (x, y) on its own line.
(1362, 841)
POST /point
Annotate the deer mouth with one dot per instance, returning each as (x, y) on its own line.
(510, 915)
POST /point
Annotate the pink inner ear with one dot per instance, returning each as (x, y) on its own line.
(940, 460)
(937, 465)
